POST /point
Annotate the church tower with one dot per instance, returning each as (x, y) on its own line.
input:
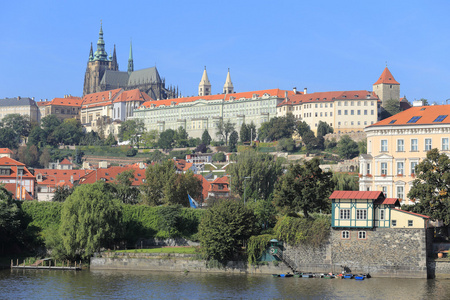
(228, 86)
(204, 88)
(97, 65)
(130, 61)
(387, 87)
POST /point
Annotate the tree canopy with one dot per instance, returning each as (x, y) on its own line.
(10, 221)
(277, 128)
(305, 187)
(347, 148)
(224, 228)
(323, 128)
(430, 189)
(130, 130)
(206, 138)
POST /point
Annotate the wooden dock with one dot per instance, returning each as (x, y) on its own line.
(46, 268)
(39, 265)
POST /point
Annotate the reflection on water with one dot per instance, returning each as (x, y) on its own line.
(29, 284)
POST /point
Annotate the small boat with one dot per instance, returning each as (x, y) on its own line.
(360, 277)
(348, 276)
(297, 275)
(329, 276)
(275, 275)
(286, 275)
(307, 275)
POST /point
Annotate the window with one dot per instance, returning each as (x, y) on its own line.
(384, 145)
(413, 167)
(372, 112)
(400, 145)
(444, 143)
(345, 214)
(440, 118)
(427, 144)
(383, 169)
(365, 112)
(345, 235)
(400, 168)
(392, 122)
(339, 112)
(345, 112)
(382, 216)
(394, 223)
(361, 214)
(358, 112)
(414, 145)
(352, 112)
(361, 235)
(414, 119)
(384, 190)
(400, 192)
(410, 223)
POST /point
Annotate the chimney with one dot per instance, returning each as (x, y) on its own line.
(305, 91)
(71, 178)
(285, 94)
(110, 95)
(295, 90)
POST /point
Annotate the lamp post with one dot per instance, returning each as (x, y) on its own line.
(245, 190)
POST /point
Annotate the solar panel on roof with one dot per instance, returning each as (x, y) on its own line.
(392, 122)
(414, 119)
(440, 118)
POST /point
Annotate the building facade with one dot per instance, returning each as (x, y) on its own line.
(102, 74)
(68, 107)
(397, 144)
(17, 178)
(198, 113)
(22, 106)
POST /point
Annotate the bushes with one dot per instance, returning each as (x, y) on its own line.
(256, 245)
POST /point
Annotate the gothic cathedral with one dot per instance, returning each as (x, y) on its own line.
(102, 74)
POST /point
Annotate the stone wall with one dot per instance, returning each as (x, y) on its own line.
(438, 269)
(176, 263)
(385, 252)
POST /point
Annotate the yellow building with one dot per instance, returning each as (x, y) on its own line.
(345, 111)
(64, 108)
(397, 144)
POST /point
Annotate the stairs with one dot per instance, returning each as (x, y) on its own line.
(277, 252)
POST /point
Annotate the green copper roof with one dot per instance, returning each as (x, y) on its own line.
(100, 54)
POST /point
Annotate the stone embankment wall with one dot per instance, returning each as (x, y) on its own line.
(438, 269)
(176, 263)
(385, 252)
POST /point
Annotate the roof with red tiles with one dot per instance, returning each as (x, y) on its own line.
(52, 177)
(386, 77)
(65, 161)
(388, 201)
(223, 180)
(272, 92)
(109, 175)
(11, 187)
(5, 151)
(43, 103)
(422, 114)
(366, 195)
(329, 97)
(68, 101)
(132, 95)
(6, 161)
(411, 213)
(100, 97)
(205, 185)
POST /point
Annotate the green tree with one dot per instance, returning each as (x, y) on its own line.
(69, 132)
(277, 128)
(224, 229)
(131, 130)
(228, 128)
(244, 133)
(110, 140)
(167, 139)
(286, 144)
(90, 220)
(49, 124)
(156, 177)
(219, 156)
(10, 221)
(305, 187)
(8, 138)
(362, 146)
(123, 190)
(176, 192)
(20, 124)
(37, 137)
(206, 138)
(234, 137)
(323, 129)
(156, 156)
(29, 155)
(302, 128)
(45, 158)
(430, 189)
(345, 181)
(392, 107)
(347, 148)
(61, 193)
(255, 172)
(313, 143)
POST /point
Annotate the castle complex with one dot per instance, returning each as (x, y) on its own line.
(102, 74)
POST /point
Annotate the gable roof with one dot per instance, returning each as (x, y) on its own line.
(6, 161)
(117, 79)
(388, 201)
(109, 175)
(369, 195)
(386, 78)
(5, 151)
(226, 97)
(53, 177)
(427, 115)
(147, 75)
(66, 101)
(18, 101)
(100, 97)
(411, 213)
(205, 185)
(65, 161)
(132, 95)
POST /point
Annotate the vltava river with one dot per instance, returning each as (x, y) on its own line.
(29, 284)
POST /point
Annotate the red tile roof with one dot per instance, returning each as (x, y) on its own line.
(329, 97)
(132, 95)
(427, 115)
(372, 195)
(11, 187)
(100, 97)
(5, 151)
(65, 161)
(411, 213)
(69, 101)
(205, 186)
(272, 92)
(6, 161)
(109, 175)
(386, 77)
(388, 201)
(52, 177)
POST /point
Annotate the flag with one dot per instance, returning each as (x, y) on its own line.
(192, 202)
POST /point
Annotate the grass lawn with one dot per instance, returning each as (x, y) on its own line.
(184, 250)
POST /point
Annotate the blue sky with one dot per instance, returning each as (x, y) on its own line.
(321, 45)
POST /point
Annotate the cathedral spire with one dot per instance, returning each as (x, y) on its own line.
(115, 66)
(228, 86)
(130, 60)
(91, 54)
(100, 54)
(204, 88)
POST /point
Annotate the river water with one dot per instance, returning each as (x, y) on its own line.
(42, 284)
